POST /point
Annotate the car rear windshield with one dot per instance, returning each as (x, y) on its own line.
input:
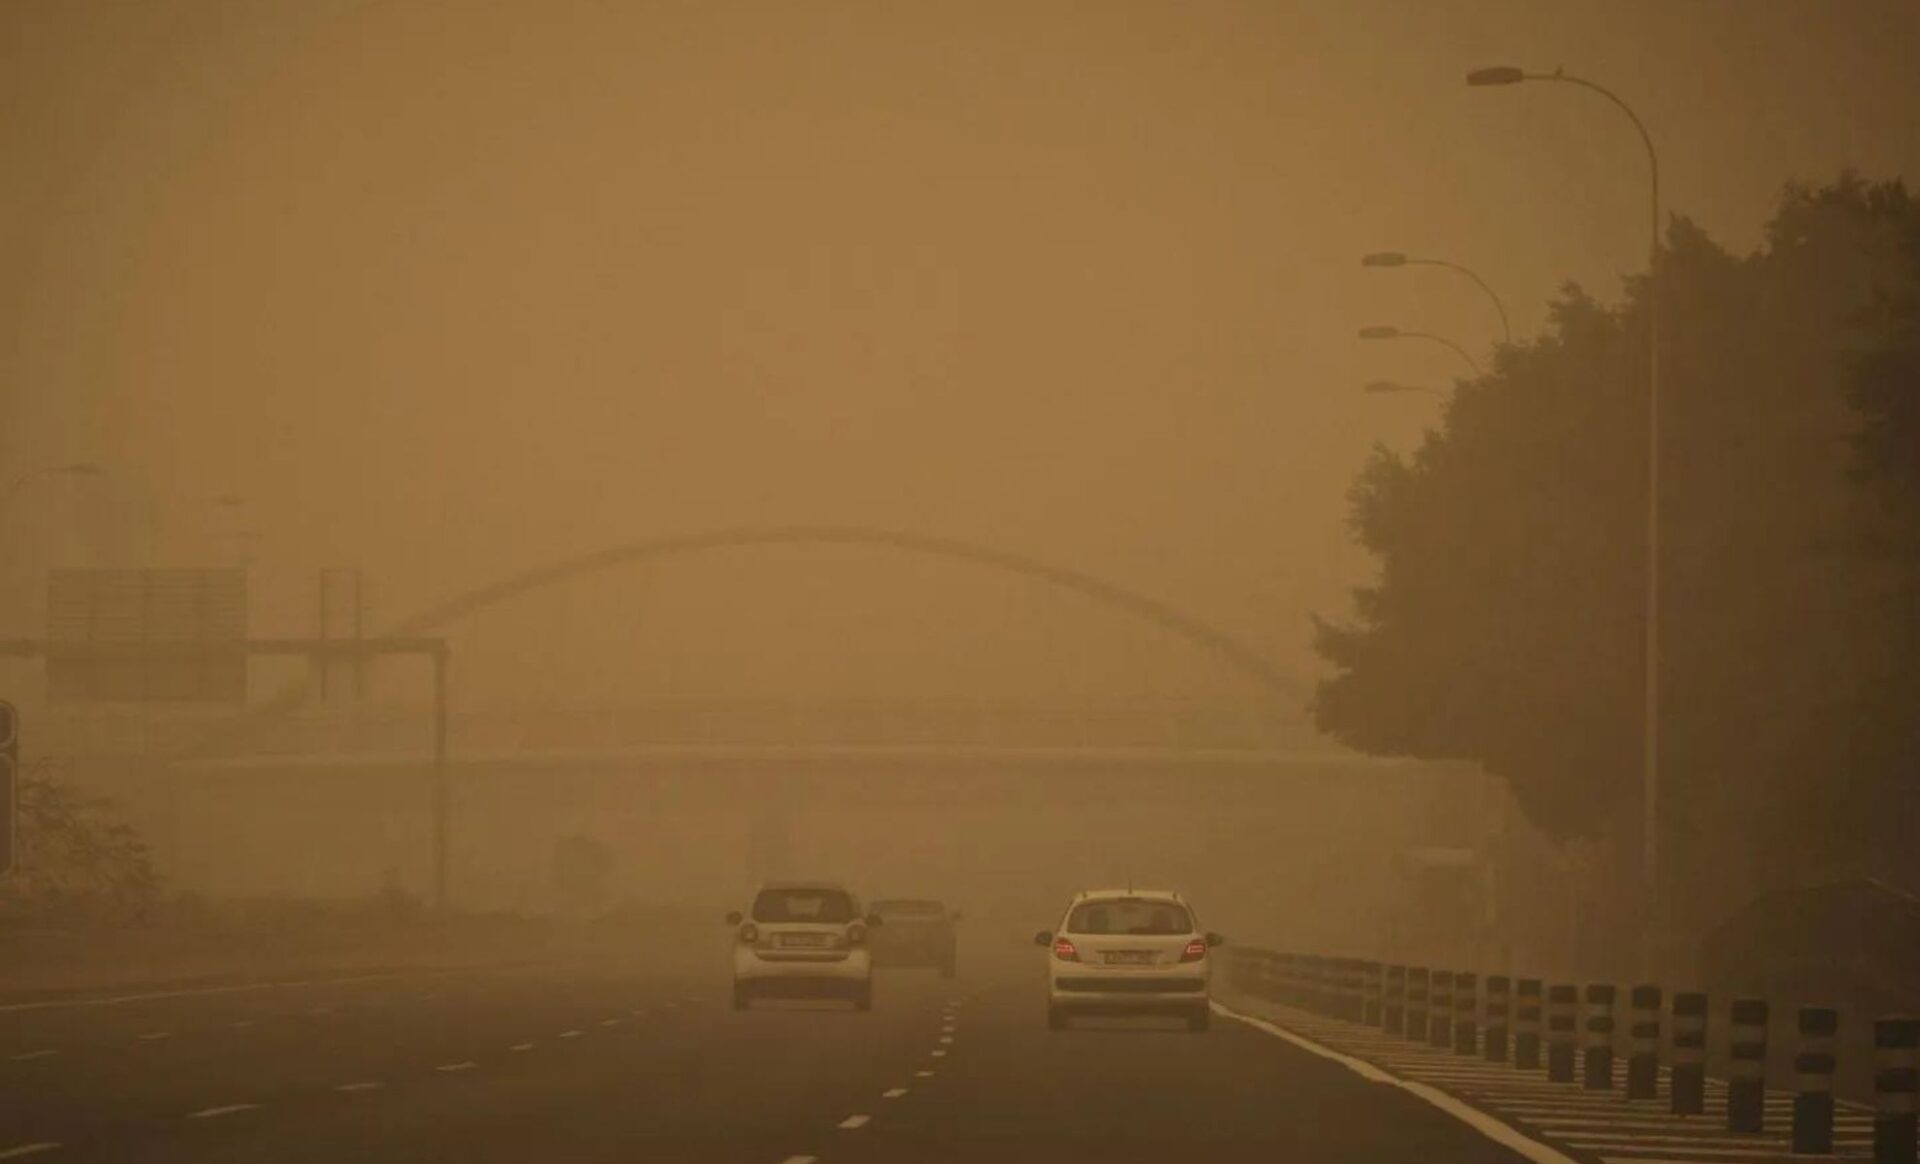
(1129, 915)
(910, 909)
(803, 905)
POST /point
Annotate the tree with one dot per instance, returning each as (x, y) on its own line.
(1507, 623)
(77, 864)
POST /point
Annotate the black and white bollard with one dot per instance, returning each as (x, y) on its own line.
(1643, 1043)
(1417, 986)
(1528, 1019)
(1896, 1072)
(1813, 1063)
(1466, 1006)
(1689, 1053)
(1562, 1003)
(1747, 1066)
(1598, 1049)
(1394, 1009)
(1440, 1010)
(1498, 988)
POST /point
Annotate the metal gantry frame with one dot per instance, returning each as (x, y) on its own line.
(318, 650)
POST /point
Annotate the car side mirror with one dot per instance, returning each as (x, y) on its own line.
(1216, 939)
(1043, 938)
(734, 918)
(873, 919)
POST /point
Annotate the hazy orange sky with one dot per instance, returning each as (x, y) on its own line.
(444, 290)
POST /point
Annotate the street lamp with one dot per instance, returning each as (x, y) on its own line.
(1399, 259)
(1390, 387)
(1383, 332)
(1650, 756)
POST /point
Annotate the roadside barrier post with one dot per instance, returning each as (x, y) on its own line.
(1747, 1066)
(1354, 972)
(1499, 988)
(1417, 979)
(1394, 1013)
(1562, 1002)
(1813, 1063)
(1373, 991)
(1599, 1037)
(1466, 1004)
(1689, 1054)
(1440, 1010)
(1896, 1072)
(1643, 1033)
(1526, 1024)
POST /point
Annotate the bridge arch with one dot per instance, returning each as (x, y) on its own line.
(1229, 649)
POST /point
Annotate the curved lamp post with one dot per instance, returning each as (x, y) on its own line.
(1382, 332)
(1650, 756)
(1390, 387)
(1399, 259)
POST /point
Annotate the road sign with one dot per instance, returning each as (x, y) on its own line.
(9, 783)
(139, 636)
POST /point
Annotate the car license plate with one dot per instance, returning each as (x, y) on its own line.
(803, 939)
(1129, 957)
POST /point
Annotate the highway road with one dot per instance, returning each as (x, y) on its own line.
(617, 1060)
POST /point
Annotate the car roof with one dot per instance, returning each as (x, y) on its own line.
(1144, 894)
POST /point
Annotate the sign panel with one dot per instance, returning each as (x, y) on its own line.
(137, 636)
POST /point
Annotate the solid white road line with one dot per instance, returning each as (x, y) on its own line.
(36, 1149)
(367, 1086)
(1473, 1117)
(893, 1093)
(207, 1113)
(151, 995)
(23, 1056)
(855, 1121)
(463, 1065)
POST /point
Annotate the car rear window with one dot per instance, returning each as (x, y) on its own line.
(910, 909)
(803, 905)
(1129, 915)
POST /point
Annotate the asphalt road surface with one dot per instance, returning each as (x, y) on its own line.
(614, 1062)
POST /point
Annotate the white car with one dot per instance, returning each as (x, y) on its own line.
(1129, 951)
(802, 939)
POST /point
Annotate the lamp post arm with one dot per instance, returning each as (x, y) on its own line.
(1440, 339)
(1506, 328)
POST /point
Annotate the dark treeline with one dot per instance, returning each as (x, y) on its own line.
(1506, 623)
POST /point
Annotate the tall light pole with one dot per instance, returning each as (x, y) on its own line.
(1399, 259)
(1382, 332)
(1650, 755)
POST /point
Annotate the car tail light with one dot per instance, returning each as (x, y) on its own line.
(1196, 950)
(749, 933)
(856, 933)
(1063, 950)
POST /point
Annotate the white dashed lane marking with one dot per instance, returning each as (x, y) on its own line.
(855, 1121)
(924, 1074)
(941, 1054)
(47, 1146)
(800, 1160)
(945, 1040)
(207, 1113)
(155, 1036)
(569, 1034)
(23, 1056)
(521, 1047)
(368, 1086)
(893, 1093)
(610, 1022)
(242, 1024)
(464, 1065)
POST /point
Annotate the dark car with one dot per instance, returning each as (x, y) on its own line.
(915, 932)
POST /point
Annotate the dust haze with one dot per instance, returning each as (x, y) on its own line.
(924, 447)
